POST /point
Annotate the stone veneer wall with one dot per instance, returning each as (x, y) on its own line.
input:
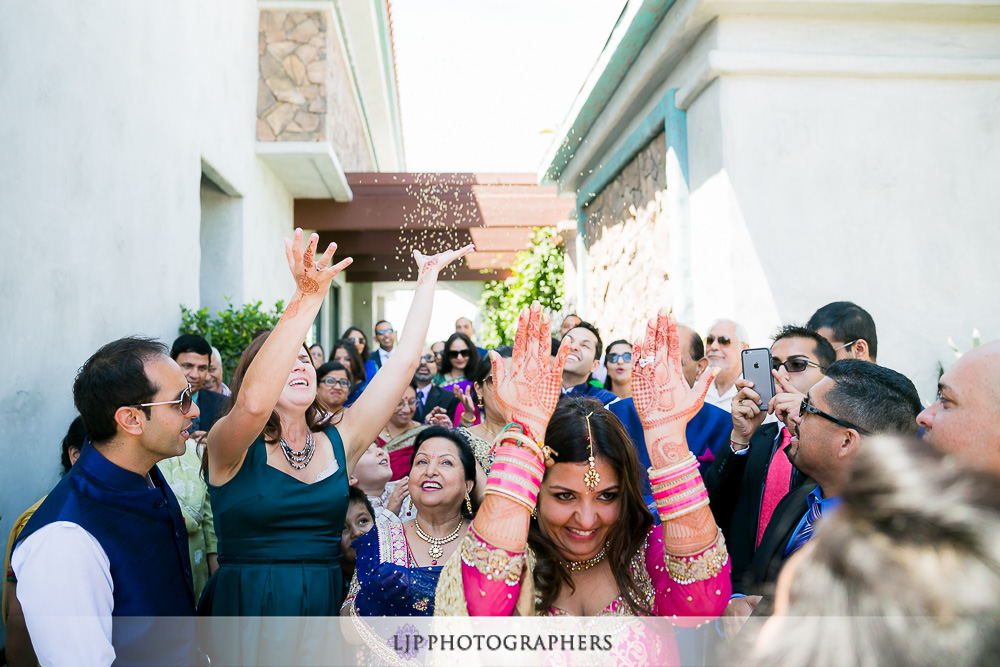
(627, 251)
(304, 92)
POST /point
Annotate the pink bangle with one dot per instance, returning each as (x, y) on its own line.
(666, 493)
(663, 476)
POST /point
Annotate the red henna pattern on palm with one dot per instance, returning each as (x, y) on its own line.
(530, 391)
(664, 401)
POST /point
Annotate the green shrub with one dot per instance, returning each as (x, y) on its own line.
(231, 330)
(537, 276)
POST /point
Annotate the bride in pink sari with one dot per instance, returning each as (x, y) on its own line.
(563, 529)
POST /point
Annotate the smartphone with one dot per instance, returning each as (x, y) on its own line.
(757, 369)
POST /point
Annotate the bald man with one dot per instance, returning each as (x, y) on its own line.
(706, 433)
(965, 418)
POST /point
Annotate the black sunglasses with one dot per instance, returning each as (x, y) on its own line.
(724, 341)
(428, 359)
(452, 354)
(185, 402)
(615, 357)
(806, 406)
(343, 382)
(356, 340)
(795, 364)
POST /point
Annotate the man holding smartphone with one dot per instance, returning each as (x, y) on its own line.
(754, 459)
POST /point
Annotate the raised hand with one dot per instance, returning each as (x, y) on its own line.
(663, 399)
(465, 398)
(529, 390)
(429, 266)
(311, 277)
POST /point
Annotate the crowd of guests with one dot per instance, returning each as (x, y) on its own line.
(555, 477)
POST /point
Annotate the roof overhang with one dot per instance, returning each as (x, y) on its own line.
(393, 214)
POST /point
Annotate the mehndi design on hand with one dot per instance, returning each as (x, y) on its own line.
(528, 393)
(664, 401)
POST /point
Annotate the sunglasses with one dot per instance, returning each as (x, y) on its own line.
(428, 358)
(724, 341)
(846, 345)
(383, 332)
(795, 364)
(184, 401)
(806, 406)
(615, 357)
(343, 382)
(356, 340)
(452, 354)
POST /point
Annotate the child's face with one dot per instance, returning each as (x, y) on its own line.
(373, 469)
(358, 522)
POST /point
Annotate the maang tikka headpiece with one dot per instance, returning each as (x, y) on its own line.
(591, 478)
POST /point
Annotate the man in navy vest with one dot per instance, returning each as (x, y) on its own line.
(106, 553)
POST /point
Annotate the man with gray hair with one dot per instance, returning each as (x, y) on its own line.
(214, 380)
(724, 344)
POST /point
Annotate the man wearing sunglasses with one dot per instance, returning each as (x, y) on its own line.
(724, 345)
(386, 337)
(431, 398)
(109, 541)
(855, 400)
(752, 474)
(849, 328)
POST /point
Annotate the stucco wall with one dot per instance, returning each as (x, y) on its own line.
(628, 251)
(831, 157)
(109, 108)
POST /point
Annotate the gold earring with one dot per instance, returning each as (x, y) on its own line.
(468, 503)
(591, 478)
(411, 504)
(534, 512)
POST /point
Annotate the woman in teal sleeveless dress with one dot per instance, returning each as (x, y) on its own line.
(278, 480)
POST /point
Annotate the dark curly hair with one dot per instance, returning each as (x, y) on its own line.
(567, 436)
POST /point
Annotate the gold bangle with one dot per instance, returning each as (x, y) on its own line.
(706, 565)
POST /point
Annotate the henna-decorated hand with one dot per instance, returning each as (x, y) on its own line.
(664, 400)
(311, 276)
(465, 398)
(429, 266)
(529, 390)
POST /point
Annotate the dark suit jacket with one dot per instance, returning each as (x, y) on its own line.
(437, 397)
(770, 555)
(735, 489)
(212, 406)
(375, 357)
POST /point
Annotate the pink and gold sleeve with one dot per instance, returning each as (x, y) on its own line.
(691, 589)
(491, 577)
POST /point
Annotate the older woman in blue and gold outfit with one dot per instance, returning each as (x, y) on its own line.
(398, 564)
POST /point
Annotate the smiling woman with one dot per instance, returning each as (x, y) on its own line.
(398, 564)
(278, 477)
(593, 550)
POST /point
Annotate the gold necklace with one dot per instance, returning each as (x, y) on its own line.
(580, 566)
(435, 551)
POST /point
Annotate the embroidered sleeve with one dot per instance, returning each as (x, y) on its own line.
(692, 589)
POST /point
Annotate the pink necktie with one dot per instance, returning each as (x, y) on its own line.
(779, 475)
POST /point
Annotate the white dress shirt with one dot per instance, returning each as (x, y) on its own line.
(384, 356)
(65, 589)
